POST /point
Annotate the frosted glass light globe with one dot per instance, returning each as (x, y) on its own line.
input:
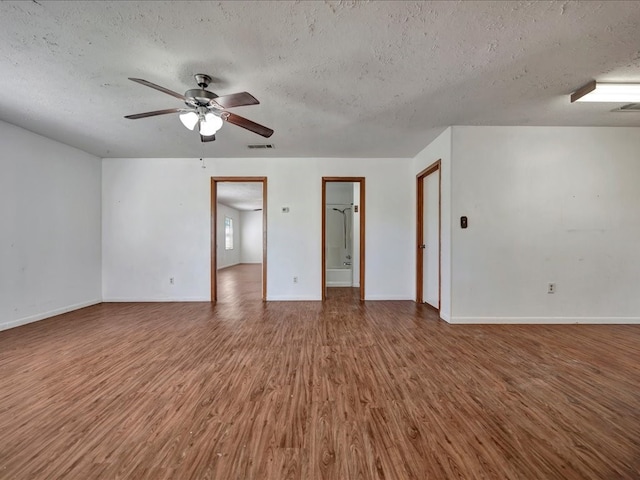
(189, 119)
(210, 125)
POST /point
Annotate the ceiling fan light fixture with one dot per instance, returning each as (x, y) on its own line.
(210, 125)
(607, 92)
(206, 109)
(189, 119)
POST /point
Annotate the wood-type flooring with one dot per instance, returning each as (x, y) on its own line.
(310, 390)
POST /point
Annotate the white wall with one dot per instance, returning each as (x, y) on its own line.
(227, 258)
(156, 216)
(156, 225)
(50, 216)
(439, 149)
(251, 237)
(546, 204)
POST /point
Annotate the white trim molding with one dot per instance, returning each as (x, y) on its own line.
(546, 320)
(154, 300)
(43, 316)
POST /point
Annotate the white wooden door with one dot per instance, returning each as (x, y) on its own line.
(431, 225)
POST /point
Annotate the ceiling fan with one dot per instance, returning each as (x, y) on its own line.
(206, 109)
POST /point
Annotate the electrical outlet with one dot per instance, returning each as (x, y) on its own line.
(171, 281)
(295, 279)
(551, 288)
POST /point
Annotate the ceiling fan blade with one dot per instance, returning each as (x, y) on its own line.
(210, 138)
(158, 87)
(248, 124)
(153, 114)
(236, 100)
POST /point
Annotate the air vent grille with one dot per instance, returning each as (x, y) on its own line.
(632, 107)
(260, 147)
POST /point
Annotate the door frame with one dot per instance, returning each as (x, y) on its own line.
(434, 167)
(214, 231)
(361, 181)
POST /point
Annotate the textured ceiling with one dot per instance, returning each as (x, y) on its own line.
(240, 195)
(335, 78)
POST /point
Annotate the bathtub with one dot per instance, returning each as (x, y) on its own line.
(339, 277)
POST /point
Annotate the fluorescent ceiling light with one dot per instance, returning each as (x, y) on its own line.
(210, 125)
(608, 92)
(189, 119)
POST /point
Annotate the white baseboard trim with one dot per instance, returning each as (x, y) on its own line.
(546, 320)
(446, 318)
(51, 313)
(339, 284)
(154, 300)
(389, 297)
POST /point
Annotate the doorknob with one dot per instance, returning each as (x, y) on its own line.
(422, 246)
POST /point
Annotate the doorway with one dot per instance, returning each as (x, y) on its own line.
(343, 232)
(237, 204)
(428, 224)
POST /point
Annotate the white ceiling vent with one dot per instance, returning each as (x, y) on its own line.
(260, 147)
(632, 107)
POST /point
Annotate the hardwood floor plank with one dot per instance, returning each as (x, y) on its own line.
(310, 390)
(324, 461)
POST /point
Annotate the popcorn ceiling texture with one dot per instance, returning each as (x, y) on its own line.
(334, 78)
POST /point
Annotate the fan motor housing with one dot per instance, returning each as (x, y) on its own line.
(199, 97)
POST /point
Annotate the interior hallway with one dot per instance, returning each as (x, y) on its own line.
(240, 283)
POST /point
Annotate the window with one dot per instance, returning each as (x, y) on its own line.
(228, 233)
